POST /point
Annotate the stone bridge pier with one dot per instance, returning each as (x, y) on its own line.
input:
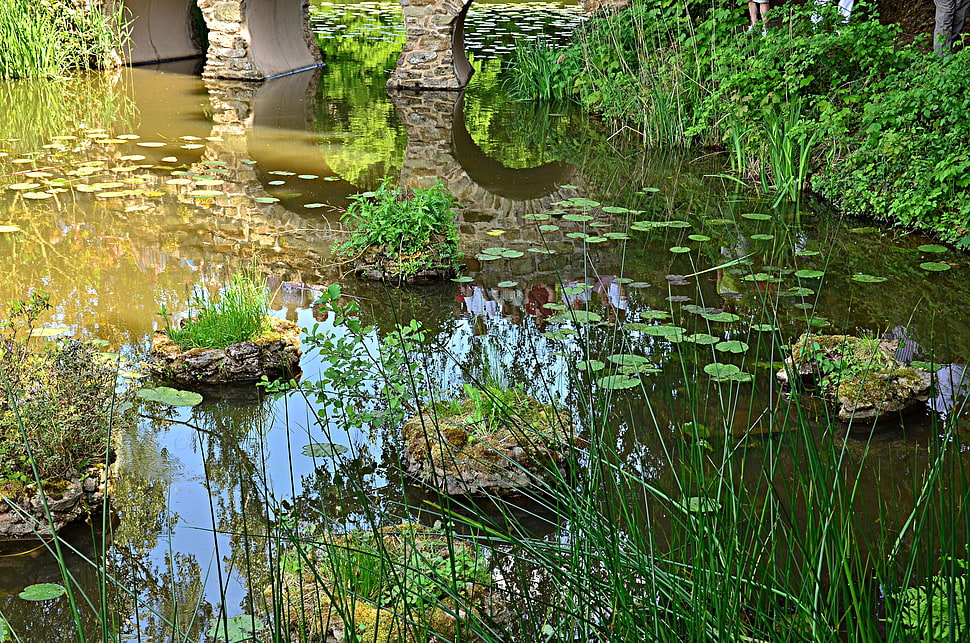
(248, 39)
(433, 56)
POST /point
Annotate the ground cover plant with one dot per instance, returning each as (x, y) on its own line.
(402, 230)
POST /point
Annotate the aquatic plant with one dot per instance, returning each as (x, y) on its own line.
(53, 38)
(406, 230)
(239, 315)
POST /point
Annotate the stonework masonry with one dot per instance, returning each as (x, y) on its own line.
(433, 56)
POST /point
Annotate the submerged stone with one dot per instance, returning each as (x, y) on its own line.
(275, 354)
(23, 515)
(863, 375)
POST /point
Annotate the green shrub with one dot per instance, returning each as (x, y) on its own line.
(238, 316)
(62, 394)
(909, 161)
(412, 228)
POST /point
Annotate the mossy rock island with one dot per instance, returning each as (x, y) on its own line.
(274, 353)
(494, 442)
(862, 374)
(379, 263)
(396, 584)
(22, 512)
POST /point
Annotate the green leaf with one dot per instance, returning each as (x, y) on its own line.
(536, 217)
(581, 202)
(548, 228)
(42, 592)
(170, 396)
(667, 331)
(463, 280)
(932, 247)
(680, 249)
(512, 254)
(719, 370)
(236, 629)
(762, 237)
(591, 366)
(698, 505)
(324, 450)
(497, 251)
(578, 316)
(615, 382)
(508, 284)
(809, 274)
(577, 217)
(867, 279)
(724, 317)
(4, 631)
(934, 266)
(702, 339)
(764, 328)
(653, 314)
(732, 346)
(925, 366)
(613, 209)
(757, 216)
(626, 359)
(700, 238)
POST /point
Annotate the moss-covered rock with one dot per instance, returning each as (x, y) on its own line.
(463, 449)
(275, 353)
(862, 374)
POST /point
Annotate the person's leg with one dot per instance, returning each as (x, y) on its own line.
(753, 12)
(959, 19)
(943, 28)
(763, 9)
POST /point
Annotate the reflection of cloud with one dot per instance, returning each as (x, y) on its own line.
(952, 385)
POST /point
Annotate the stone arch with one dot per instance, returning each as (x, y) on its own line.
(248, 39)
(433, 56)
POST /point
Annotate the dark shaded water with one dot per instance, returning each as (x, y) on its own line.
(151, 183)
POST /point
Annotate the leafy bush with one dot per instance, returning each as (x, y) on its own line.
(60, 398)
(238, 316)
(909, 161)
(413, 228)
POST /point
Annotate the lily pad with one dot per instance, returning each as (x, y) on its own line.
(809, 274)
(626, 359)
(680, 249)
(716, 369)
(762, 237)
(577, 217)
(932, 247)
(508, 284)
(698, 237)
(463, 280)
(578, 316)
(764, 328)
(867, 279)
(723, 317)
(757, 216)
(324, 450)
(925, 366)
(615, 382)
(236, 629)
(653, 314)
(667, 331)
(934, 266)
(170, 396)
(42, 592)
(702, 339)
(591, 365)
(732, 346)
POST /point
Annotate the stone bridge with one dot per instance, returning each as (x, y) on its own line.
(247, 39)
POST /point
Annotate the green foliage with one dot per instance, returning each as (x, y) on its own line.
(61, 394)
(909, 162)
(238, 316)
(544, 72)
(53, 37)
(414, 228)
(938, 611)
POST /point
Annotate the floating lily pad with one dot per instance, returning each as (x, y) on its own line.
(508, 284)
(764, 328)
(698, 505)
(536, 216)
(702, 339)
(615, 382)
(680, 249)
(205, 194)
(934, 266)
(719, 370)
(723, 317)
(809, 274)
(613, 209)
(762, 237)
(667, 331)
(266, 199)
(313, 206)
(653, 314)
(42, 592)
(577, 217)
(170, 396)
(799, 292)
(591, 366)
(512, 254)
(236, 629)
(23, 186)
(548, 227)
(627, 359)
(867, 279)
(760, 277)
(756, 216)
(578, 316)
(732, 346)
(324, 450)
(932, 247)
(698, 237)
(582, 202)
(463, 280)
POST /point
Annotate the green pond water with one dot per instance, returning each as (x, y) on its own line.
(127, 191)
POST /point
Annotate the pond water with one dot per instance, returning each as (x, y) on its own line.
(132, 190)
